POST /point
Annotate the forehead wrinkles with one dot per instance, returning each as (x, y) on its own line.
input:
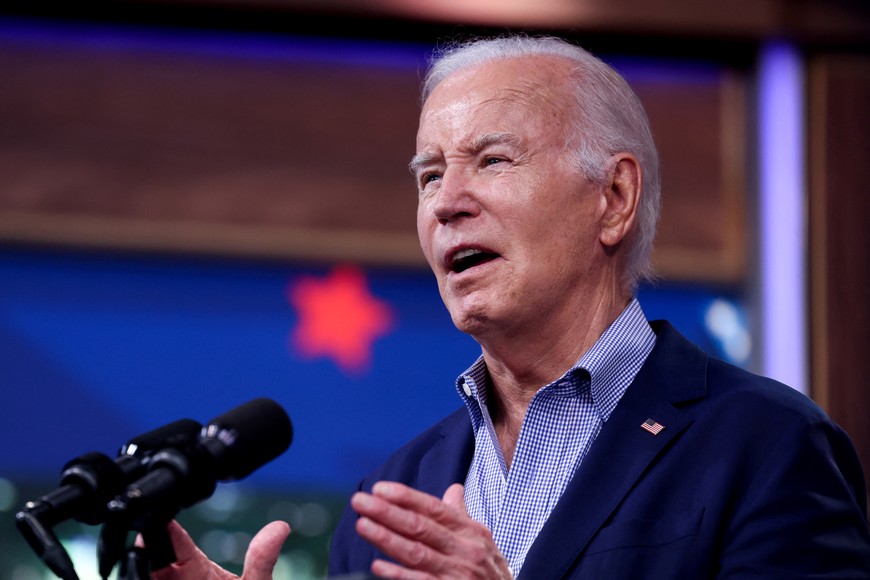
(548, 101)
(533, 99)
(546, 98)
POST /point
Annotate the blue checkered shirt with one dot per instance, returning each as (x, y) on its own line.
(562, 421)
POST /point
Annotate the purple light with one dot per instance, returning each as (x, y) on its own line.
(782, 216)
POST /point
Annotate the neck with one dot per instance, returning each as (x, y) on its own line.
(520, 365)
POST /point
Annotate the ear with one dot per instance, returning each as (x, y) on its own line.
(621, 197)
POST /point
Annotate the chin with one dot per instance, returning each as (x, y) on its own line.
(471, 321)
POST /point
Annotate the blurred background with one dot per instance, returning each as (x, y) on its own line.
(203, 202)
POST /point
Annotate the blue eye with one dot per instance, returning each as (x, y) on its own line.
(427, 178)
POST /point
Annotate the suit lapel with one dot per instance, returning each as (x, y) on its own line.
(621, 454)
(447, 462)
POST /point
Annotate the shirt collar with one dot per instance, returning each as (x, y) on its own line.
(609, 366)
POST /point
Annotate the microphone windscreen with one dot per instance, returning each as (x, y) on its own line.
(247, 437)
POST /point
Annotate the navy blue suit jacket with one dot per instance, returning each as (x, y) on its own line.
(748, 479)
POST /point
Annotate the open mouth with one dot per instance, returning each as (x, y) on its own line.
(469, 258)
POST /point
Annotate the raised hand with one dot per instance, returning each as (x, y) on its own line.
(192, 564)
(426, 536)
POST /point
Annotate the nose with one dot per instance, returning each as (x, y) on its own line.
(456, 197)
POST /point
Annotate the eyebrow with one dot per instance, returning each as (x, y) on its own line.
(421, 159)
(479, 144)
(485, 141)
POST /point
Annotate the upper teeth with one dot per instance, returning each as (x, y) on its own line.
(461, 254)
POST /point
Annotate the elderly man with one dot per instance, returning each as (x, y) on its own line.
(592, 444)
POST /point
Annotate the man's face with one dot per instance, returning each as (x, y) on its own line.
(506, 221)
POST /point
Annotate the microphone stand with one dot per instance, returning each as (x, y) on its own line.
(135, 566)
(137, 562)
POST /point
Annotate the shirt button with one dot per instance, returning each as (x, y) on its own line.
(466, 389)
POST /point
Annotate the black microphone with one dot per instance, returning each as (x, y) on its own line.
(229, 447)
(88, 482)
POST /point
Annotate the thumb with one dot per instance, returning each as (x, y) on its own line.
(455, 497)
(264, 550)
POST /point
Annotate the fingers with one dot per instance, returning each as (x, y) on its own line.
(385, 569)
(417, 502)
(190, 562)
(455, 497)
(409, 553)
(428, 537)
(399, 519)
(264, 550)
(182, 543)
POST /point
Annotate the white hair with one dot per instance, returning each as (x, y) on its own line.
(608, 118)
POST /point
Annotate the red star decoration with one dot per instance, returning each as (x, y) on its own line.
(338, 318)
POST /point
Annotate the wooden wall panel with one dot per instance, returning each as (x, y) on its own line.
(840, 242)
(167, 150)
(144, 148)
(700, 130)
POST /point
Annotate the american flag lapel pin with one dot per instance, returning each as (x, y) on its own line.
(652, 426)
